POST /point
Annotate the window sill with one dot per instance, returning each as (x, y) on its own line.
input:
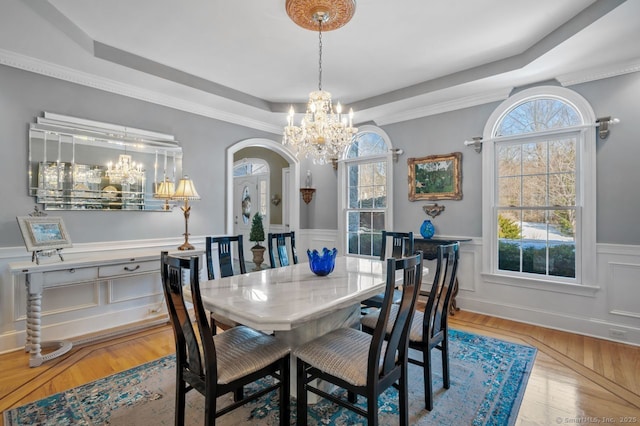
(544, 285)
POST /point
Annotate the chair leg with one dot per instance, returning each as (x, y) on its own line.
(403, 393)
(372, 408)
(428, 386)
(301, 393)
(285, 391)
(445, 362)
(180, 398)
(352, 397)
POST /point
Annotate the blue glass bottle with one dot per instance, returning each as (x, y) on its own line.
(427, 229)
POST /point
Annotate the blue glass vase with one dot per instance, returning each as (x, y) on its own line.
(322, 264)
(427, 229)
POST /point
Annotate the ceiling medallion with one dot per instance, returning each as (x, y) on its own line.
(334, 13)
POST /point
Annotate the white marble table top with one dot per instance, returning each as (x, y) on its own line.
(284, 298)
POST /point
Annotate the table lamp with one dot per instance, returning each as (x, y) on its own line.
(186, 191)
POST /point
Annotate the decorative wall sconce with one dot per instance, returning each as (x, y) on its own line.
(307, 194)
(275, 200)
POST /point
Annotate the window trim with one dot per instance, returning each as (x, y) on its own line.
(585, 176)
(343, 163)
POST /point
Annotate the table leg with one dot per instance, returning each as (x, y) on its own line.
(33, 342)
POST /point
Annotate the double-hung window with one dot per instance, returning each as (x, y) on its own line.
(366, 182)
(539, 185)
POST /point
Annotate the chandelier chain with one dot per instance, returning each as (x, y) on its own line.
(320, 54)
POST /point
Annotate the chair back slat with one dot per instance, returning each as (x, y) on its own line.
(225, 255)
(285, 255)
(398, 337)
(437, 307)
(401, 244)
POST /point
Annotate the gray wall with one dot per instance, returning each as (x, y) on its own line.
(618, 174)
(25, 95)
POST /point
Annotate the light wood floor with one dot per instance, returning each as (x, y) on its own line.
(575, 379)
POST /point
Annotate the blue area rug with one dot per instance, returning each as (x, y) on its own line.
(488, 379)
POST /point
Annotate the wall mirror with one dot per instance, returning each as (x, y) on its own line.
(77, 164)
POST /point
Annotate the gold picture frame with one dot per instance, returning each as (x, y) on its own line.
(435, 177)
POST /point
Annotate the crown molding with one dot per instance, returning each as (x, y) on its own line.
(599, 73)
(60, 72)
(446, 106)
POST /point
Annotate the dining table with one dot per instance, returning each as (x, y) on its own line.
(293, 303)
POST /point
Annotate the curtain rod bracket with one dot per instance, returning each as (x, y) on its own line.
(476, 142)
(603, 124)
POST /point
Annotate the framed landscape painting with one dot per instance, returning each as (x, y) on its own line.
(435, 177)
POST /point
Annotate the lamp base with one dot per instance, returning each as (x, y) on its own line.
(186, 246)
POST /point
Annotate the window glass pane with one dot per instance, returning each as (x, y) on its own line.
(509, 160)
(353, 243)
(353, 221)
(509, 240)
(353, 198)
(562, 155)
(538, 115)
(377, 221)
(534, 158)
(380, 196)
(509, 191)
(380, 175)
(562, 189)
(534, 191)
(562, 225)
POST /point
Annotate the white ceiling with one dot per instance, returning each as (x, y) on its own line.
(245, 61)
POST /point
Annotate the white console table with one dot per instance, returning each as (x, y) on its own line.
(76, 268)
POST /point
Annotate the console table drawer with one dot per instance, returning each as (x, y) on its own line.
(71, 275)
(129, 268)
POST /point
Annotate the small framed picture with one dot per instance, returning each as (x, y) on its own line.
(43, 233)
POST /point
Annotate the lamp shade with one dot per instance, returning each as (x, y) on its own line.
(165, 190)
(185, 190)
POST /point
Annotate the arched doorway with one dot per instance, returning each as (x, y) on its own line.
(294, 181)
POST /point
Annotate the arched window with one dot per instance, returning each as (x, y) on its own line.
(539, 185)
(365, 185)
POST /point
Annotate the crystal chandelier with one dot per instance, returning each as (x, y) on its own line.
(125, 171)
(324, 133)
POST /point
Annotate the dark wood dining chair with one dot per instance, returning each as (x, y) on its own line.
(430, 329)
(226, 263)
(217, 365)
(401, 245)
(285, 256)
(364, 364)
